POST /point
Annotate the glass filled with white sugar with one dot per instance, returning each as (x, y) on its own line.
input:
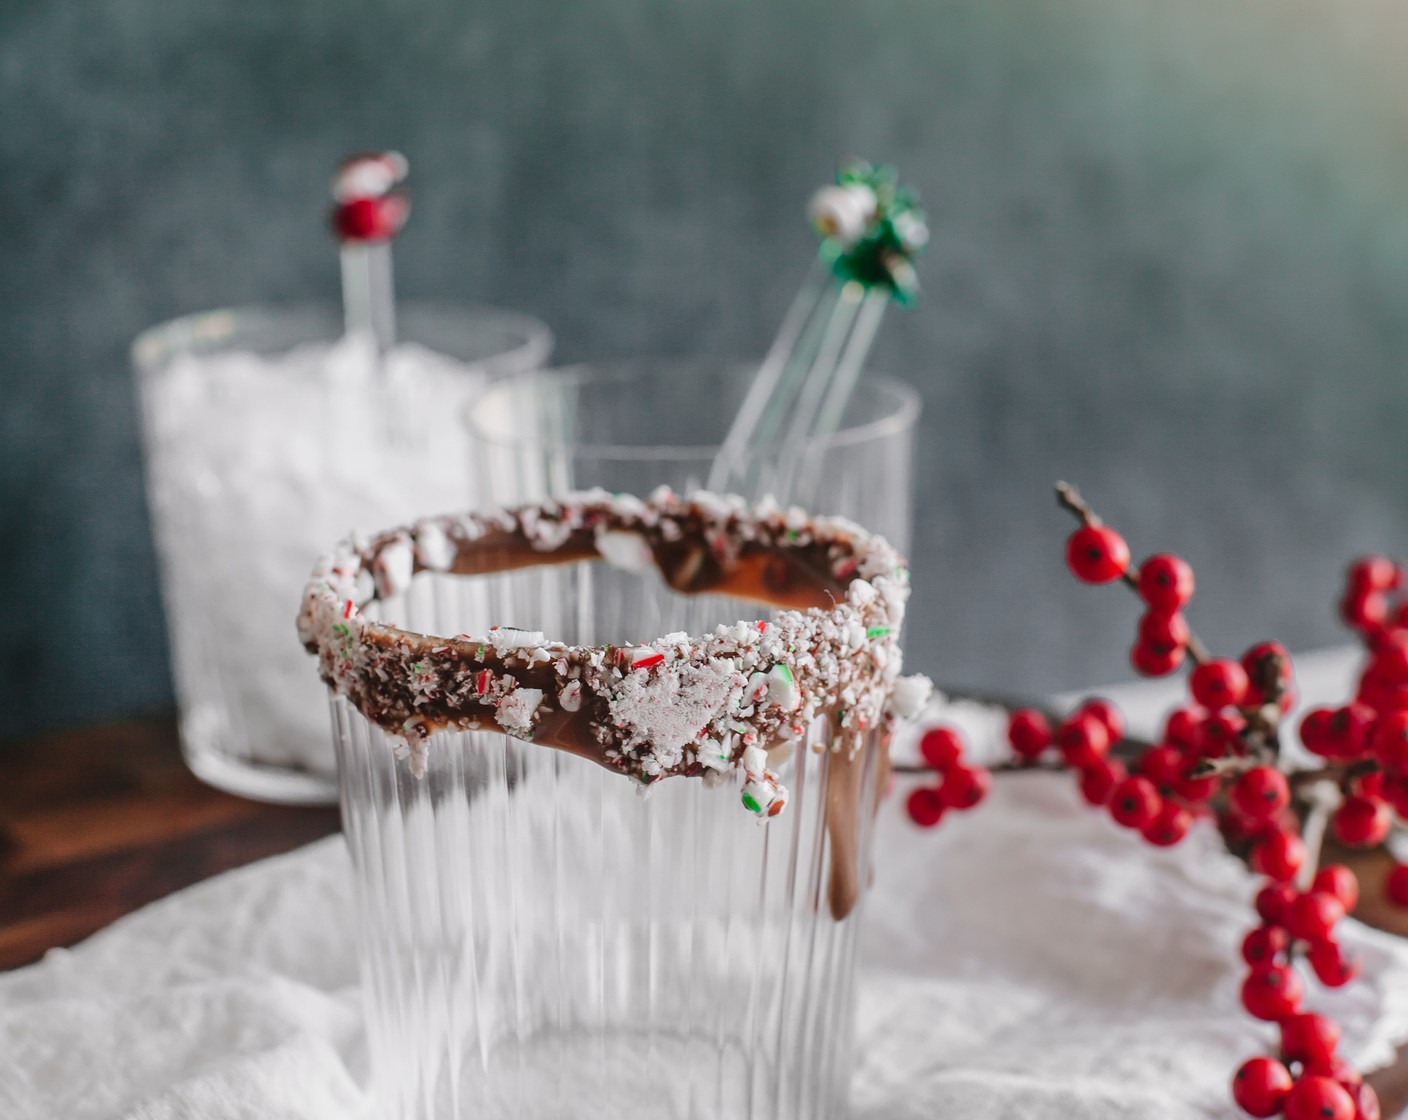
(268, 432)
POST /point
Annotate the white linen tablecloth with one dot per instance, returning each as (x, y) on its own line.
(1028, 959)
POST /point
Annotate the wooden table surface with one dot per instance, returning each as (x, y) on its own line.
(98, 822)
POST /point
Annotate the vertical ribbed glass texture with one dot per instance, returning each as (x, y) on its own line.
(540, 940)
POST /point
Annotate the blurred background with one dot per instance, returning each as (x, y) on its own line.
(1169, 263)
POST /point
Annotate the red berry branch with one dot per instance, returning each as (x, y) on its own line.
(1220, 760)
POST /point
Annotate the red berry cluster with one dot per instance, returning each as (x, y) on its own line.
(1223, 748)
(1367, 605)
(1308, 1079)
(1159, 801)
(1366, 740)
(960, 786)
(1227, 740)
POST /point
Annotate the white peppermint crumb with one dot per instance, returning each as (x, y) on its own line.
(624, 549)
(668, 710)
(910, 695)
(861, 592)
(393, 569)
(712, 753)
(434, 547)
(782, 688)
(515, 711)
(627, 505)
(364, 586)
(510, 637)
(552, 534)
(571, 696)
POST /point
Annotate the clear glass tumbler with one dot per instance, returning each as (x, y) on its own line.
(267, 434)
(538, 939)
(632, 425)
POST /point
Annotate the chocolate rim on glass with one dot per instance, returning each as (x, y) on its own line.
(618, 875)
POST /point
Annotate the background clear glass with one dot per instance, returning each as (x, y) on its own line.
(258, 456)
(631, 426)
(538, 939)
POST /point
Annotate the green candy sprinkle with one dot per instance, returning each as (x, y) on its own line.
(750, 804)
(877, 631)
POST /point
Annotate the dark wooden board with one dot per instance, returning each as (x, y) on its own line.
(97, 822)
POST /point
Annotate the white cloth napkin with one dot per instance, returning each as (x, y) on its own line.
(1028, 959)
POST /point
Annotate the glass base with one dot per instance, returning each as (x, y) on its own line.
(274, 784)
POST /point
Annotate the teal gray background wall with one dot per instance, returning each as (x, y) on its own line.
(1170, 262)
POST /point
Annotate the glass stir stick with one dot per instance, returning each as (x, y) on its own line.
(871, 229)
(370, 210)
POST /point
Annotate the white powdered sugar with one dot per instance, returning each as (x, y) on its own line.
(623, 549)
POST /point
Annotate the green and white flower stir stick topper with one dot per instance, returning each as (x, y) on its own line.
(871, 229)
